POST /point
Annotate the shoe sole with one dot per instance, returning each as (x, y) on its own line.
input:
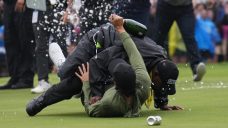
(56, 54)
(201, 70)
(38, 92)
(33, 92)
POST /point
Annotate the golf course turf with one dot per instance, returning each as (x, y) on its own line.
(205, 105)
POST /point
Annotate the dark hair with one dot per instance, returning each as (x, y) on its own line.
(201, 4)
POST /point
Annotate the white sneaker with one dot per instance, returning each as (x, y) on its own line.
(56, 55)
(41, 87)
(200, 72)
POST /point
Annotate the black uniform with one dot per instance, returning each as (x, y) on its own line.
(19, 44)
(86, 49)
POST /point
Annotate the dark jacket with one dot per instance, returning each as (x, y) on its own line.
(179, 2)
(94, 3)
(132, 4)
(109, 48)
(10, 1)
(133, 9)
(86, 49)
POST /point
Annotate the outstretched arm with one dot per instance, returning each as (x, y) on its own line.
(135, 58)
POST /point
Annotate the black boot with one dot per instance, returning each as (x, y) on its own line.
(9, 84)
(22, 85)
(35, 106)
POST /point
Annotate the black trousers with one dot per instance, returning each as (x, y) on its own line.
(48, 25)
(19, 44)
(165, 16)
(139, 11)
(62, 91)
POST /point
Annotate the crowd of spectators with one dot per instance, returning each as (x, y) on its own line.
(210, 31)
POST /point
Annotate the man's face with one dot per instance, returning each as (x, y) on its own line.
(156, 80)
(162, 87)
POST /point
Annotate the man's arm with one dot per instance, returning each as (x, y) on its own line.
(134, 56)
(67, 12)
(92, 109)
(20, 6)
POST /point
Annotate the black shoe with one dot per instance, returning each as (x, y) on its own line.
(21, 85)
(35, 106)
(9, 84)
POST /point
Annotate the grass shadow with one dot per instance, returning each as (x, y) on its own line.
(146, 113)
(67, 114)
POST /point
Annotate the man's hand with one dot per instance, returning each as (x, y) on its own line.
(170, 108)
(84, 74)
(94, 99)
(118, 22)
(66, 13)
(1, 5)
(65, 17)
(20, 6)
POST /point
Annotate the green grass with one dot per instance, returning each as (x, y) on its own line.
(205, 103)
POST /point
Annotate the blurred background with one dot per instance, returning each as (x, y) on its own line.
(211, 32)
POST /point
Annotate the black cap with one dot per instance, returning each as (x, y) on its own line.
(124, 76)
(168, 73)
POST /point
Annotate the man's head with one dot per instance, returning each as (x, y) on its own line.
(124, 76)
(164, 77)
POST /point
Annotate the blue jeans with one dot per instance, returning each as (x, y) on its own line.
(165, 16)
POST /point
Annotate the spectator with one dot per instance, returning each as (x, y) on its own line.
(150, 26)
(3, 68)
(180, 11)
(46, 24)
(19, 44)
(3, 71)
(222, 49)
(206, 33)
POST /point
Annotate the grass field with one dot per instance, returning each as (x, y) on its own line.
(205, 103)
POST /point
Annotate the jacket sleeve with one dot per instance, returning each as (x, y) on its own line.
(138, 65)
(97, 109)
(160, 100)
(91, 110)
